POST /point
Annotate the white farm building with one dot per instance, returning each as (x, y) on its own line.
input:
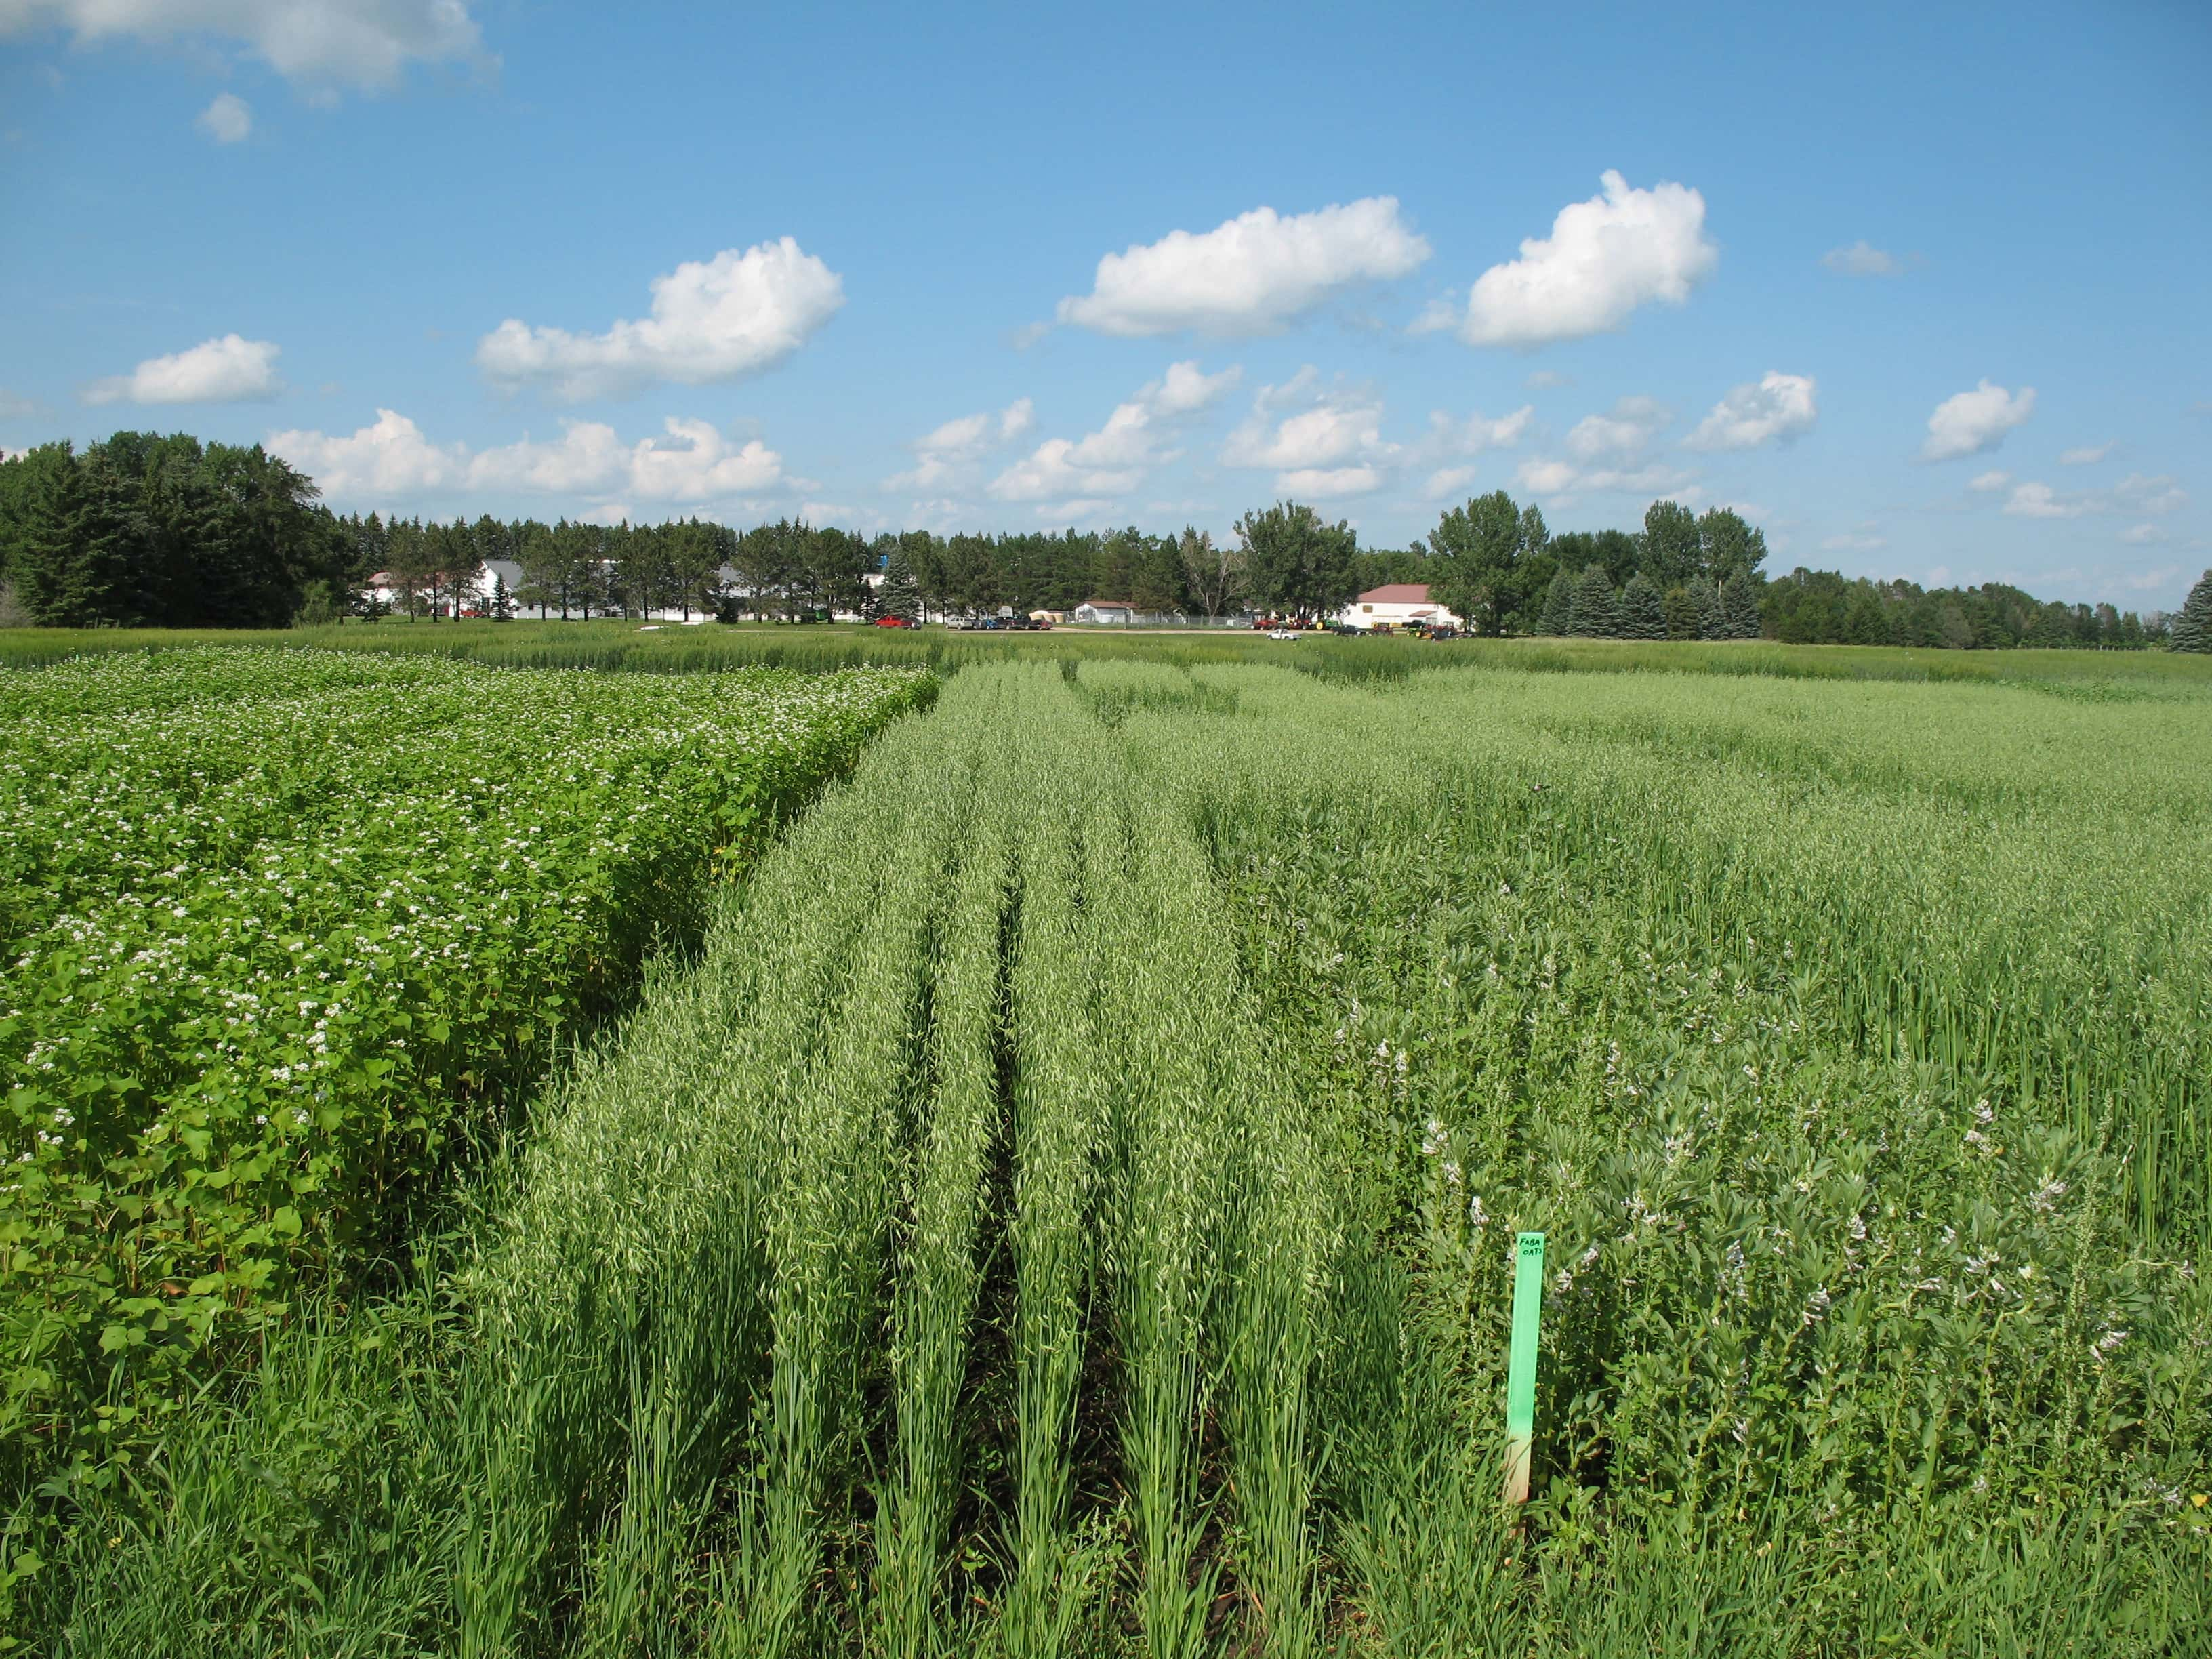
(1397, 604)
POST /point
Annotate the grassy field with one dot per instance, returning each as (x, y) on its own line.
(673, 648)
(1067, 1206)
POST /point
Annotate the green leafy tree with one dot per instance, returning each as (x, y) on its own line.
(1643, 614)
(1597, 612)
(1727, 545)
(1213, 575)
(1479, 557)
(1296, 564)
(2192, 627)
(1559, 613)
(1672, 553)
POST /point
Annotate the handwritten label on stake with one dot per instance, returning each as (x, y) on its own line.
(1521, 1366)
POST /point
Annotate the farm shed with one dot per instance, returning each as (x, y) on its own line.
(1397, 605)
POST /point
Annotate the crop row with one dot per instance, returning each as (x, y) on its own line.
(278, 926)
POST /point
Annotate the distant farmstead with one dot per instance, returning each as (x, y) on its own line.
(1111, 613)
(1397, 604)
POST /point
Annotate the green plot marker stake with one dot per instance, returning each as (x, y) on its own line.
(1521, 1367)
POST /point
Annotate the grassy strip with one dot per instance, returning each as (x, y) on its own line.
(628, 647)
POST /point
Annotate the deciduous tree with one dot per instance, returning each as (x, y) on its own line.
(1298, 564)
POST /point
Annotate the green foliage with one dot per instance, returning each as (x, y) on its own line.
(1597, 608)
(1296, 564)
(1671, 552)
(281, 929)
(1728, 547)
(1740, 605)
(144, 529)
(1481, 558)
(1643, 614)
(1559, 613)
(2192, 628)
(899, 595)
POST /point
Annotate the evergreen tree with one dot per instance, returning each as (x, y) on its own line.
(2192, 628)
(1559, 615)
(901, 594)
(73, 567)
(1740, 606)
(1713, 620)
(1681, 612)
(1596, 613)
(1643, 615)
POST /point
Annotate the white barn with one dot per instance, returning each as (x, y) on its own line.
(1397, 604)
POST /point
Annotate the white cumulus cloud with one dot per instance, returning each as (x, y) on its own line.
(227, 120)
(1605, 257)
(2143, 535)
(950, 449)
(1327, 484)
(1479, 432)
(1990, 481)
(1975, 421)
(355, 43)
(1775, 408)
(1862, 259)
(226, 370)
(2030, 500)
(1253, 275)
(1091, 471)
(714, 319)
(2131, 497)
(1320, 441)
(1621, 434)
(1557, 479)
(390, 458)
(690, 462)
(2086, 455)
(2138, 493)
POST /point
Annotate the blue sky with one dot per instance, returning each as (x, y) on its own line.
(1922, 289)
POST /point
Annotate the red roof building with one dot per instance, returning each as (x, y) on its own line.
(1397, 604)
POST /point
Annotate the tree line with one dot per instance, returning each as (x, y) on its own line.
(145, 530)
